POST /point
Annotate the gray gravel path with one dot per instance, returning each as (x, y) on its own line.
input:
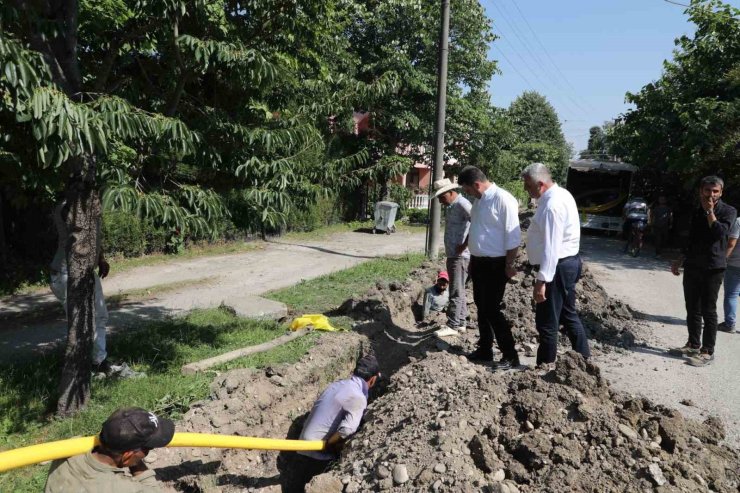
(648, 286)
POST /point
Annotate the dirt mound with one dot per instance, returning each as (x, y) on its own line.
(445, 424)
(440, 423)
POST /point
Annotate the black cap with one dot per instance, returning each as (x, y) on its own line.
(135, 428)
(367, 367)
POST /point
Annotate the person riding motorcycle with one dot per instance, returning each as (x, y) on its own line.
(635, 215)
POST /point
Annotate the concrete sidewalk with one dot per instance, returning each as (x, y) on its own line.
(236, 280)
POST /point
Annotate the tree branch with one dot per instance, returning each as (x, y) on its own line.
(184, 78)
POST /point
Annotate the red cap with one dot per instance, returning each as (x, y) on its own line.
(443, 275)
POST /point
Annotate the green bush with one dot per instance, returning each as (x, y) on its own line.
(155, 238)
(516, 188)
(418, 216)
(122, 234)
(400, 195)
(322, 213)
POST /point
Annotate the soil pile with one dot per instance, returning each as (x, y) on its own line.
(441, 423)
(445, 424)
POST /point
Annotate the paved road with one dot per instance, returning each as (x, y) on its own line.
(233, 279)
(648, 286)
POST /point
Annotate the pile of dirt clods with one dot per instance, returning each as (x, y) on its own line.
(445, 424)
(442, 424)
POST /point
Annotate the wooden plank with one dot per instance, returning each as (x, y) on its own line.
(192, 368)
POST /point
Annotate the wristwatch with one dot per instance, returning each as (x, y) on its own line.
(708, 212)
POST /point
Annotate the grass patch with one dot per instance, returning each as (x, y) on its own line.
(329, 291)
(159, 350)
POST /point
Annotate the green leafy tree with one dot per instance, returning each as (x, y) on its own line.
(597, 146)
(539, 136)
(169, 106)
(688, 121)
(401, 37)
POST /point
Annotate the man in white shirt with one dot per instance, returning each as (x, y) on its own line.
(493, 240)
(553, 243)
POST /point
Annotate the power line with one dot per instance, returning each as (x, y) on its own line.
(569, 109)
(547, 53)
(525, 64)
(514, 67)
(523, 41)
(676, 3)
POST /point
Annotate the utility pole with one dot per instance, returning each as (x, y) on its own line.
(439, 132)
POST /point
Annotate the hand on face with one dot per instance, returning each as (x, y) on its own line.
(709, 196)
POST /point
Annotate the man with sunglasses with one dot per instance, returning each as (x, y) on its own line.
(116, 465)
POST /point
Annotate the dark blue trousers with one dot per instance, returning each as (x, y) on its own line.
(560, 308)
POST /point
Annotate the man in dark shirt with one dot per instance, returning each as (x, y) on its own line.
(661, 221)
(704, 261)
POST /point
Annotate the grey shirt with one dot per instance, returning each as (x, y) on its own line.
(434, 301)
(734, 259)
(339, 409)
(457, 225)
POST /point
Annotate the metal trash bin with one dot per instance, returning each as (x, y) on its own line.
(385, 217)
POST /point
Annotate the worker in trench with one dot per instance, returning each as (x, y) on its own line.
(117, 464)
(335, 416)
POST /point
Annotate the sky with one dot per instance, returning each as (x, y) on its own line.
(583, 55)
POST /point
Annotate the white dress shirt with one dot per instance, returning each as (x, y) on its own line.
(494, 224)
(555, 231)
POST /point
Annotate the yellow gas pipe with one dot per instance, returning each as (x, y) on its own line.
(62, 449)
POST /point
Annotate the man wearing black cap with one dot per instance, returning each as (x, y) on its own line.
(116, 465)
(336, 415)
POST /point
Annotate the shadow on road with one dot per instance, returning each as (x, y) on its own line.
(30, 338)
(324, 250)
(662, 319)
(610, 252)
(655, 351)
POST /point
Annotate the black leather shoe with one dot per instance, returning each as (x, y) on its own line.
(506, 364)
(480, 354)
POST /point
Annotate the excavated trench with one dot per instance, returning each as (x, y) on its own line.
(437, 422)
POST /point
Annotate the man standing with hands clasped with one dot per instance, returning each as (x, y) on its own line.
(553, 243)
(493, 241)
(457, 224)
(704, 260)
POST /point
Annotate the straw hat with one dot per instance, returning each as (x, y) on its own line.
(442, 186)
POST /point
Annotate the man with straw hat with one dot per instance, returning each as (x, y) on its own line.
(457, 224)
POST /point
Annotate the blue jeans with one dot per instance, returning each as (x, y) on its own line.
(558, 308)
(732, 291)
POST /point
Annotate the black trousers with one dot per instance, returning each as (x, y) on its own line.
(700, 290)
(660, 237)
(489, 285)
(303, 469)
(558, 308)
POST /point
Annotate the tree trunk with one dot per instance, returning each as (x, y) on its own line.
(3, 245)
(82, 254)
(83, 216)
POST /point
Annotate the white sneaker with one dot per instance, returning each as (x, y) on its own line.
(445, 332)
